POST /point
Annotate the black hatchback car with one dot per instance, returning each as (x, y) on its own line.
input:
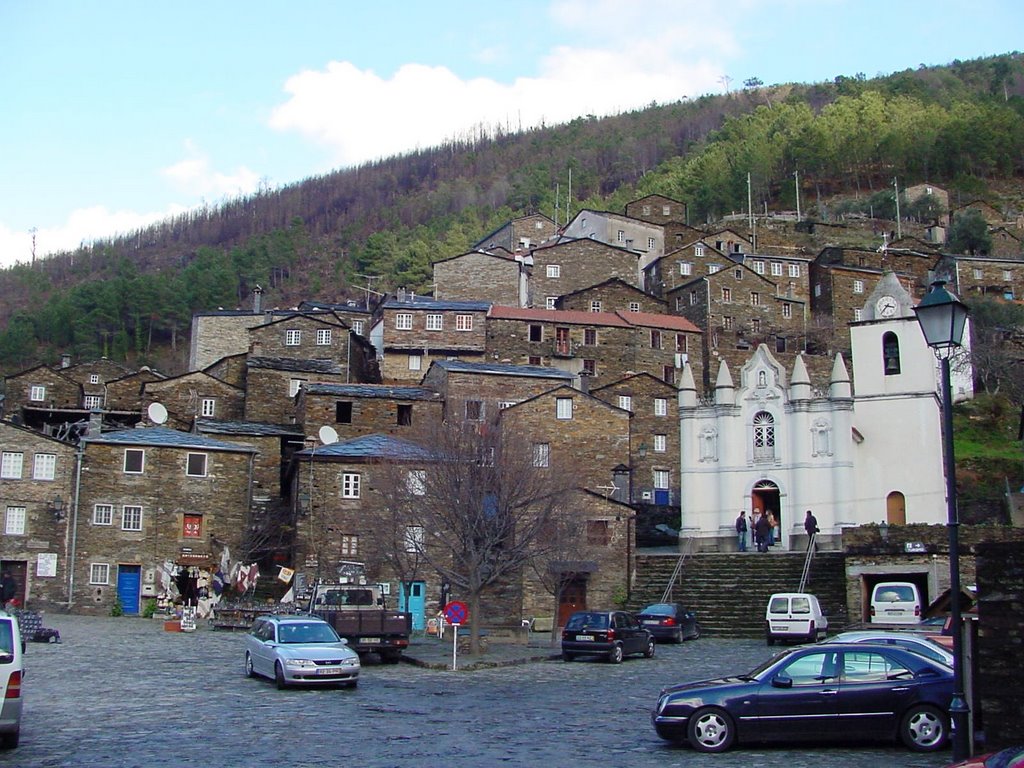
(614, 634)
(670, 621)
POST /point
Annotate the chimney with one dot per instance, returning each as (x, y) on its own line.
(400, 295)
(95, 423)
(65, 360)
(257, 300)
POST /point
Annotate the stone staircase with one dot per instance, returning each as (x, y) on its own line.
(730, 591)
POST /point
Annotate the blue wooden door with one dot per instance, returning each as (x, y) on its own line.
(129, 583)
(415, 603)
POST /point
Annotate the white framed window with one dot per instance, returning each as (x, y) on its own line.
(645, 210)
(195, 465)
(208, 407)
(660, 406)
(650, 243)
(294, 385)
(94, 378)
(323, 337)
(693, 298)
(403, 321)
(660, 443)
(103, 514)
(350, 485)
(414, 538)
(634, 306)
(134, 461)
(726, 295)
(292, 337)
(37, 393)
(416, 482)
(787, 310)
(661, 478)
(764, 436)
(757, 266)
(698, 250)
(712, 268)
(685, 268)
(858, 286)
(357, 327)
(554, 270)
(563, 407)
(620, 236)
(794, 270)
(14, 522)
(435, 322)
(463, 322)
(626, 402)
(11, 464)
(755, 299)
(349, 545)
(666, 210)
(415, 362)
(595, 306)
(776, 269)
(977, 273)
(542, 454)
(726, 322)
(44, 466)
(858, 315)
(99, 573)
(93, 401)
(1007, 274)
(503, 404)
(549, 302)
(131, 518)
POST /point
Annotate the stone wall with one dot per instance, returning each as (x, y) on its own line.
(183, 398)
(580, 264)
(612, 296)
(217, 336)
(478, 277)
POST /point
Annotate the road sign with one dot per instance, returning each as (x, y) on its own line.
(456, 612)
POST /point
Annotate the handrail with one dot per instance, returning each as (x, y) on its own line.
(686, 550)
(807, 563)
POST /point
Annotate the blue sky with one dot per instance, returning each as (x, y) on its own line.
(116, 114)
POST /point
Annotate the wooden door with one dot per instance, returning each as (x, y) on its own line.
(896, 508)
(573, 598)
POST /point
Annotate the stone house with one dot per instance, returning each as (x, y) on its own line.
(36, 491)
(353, 410)
(45, 399)
(683, 265)
(231, 369)
(570, 265)
(192, 396)
(839, 290)
(982, 276)
(124, 395)
(1006, 244)
(657, 209)
(653, 438)
(409, 332)
(479, 391)
(730, 242)
(301, 336)
(640, 237)
(612, 295)
(678, 234)
(915, 192)
(790, 274)
(272, 385)
(351, 313)
(496, 277)
(519, 235)
(274, 445)
(152, 497)
(988, 212)
(93, 376)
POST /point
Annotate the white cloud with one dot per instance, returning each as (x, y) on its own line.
(194, 176)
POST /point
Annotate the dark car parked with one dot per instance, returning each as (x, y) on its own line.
(615, 634)
(822, 692)
(670, 621)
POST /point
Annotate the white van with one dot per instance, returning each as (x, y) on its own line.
(794, 616)
(895, 602)
(12, 650)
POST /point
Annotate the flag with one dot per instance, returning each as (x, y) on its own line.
(218, 581)
(289, 596)
(285, 574)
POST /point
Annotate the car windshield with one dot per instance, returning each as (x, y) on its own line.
(308, 632)
(588, 621)
(660, 609)
(6, 638)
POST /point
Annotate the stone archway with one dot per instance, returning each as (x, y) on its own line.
(765, 496)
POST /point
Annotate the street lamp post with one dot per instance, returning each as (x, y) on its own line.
(943, 317)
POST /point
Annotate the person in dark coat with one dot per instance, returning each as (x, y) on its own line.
(761, 530)
(8, 589)
(811, 527)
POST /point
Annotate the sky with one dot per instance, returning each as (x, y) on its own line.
(115, 114)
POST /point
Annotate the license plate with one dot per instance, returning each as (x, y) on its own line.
(371, 639)
(583, 638)
(323, 671)
(780, 628)
(651, 622)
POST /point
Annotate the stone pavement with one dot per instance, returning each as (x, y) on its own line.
(433, 653)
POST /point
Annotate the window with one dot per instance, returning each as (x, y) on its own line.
(698, 250)
(787, 310)
(595, 306)
(93, 401)
(776, 269)
(134, 461)
(10, 465)
(891, 354)
(323, 337)
(757, 266)
(727, 322)
(94, 378)
(712, 268)
(682, 342)
(660, 443)
(693, 298)
(597, 533)
(563, 407)
(554, 270)
(208, 407)
(14, 523)
(590, 337)
(99, 573)
(403, 321)
(589, 367)
(764, 436)
(685, 268)
(541, 454)
(416, 482)
(679, 303)
(655, 338)
(474, 410)
(794, 270)
(620, 236)
(503, 404)
(977, 273)
(294, 385)
(192, 527)
(858, 286)
(817, 289)
(103, 514)
(343, 412)
(414, 538)
(292, 338)
(349, 545)
(44, 466)
(405, 415)
(858, 314)
(755, 299)
(726, 295)
(536, 333)
(645, 210)
(549, 302)
(533, 360)
(668, 373)
(131, 518)
(350, 485)
(435, 322)
(660, 406)
(625, 402)
(415, 362)
(755, 325)
(1007, 274)
(357, 327)
(463, 322)
(195, 465)
(37, 394)
(737, 273)
(666, 210)
(634, 306)
(780, 343)
(661, 477)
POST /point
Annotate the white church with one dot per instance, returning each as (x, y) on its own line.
(867, 450)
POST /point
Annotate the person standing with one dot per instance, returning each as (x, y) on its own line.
(772, 523)
(741, 531)
(811, 527)
(8, 589)
(761, 531)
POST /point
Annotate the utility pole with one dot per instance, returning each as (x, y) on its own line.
(796, 184)
(899, 227)
(750, 204)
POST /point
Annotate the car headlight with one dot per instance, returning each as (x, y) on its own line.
(301, 663)
(350, 662)
(661, 704)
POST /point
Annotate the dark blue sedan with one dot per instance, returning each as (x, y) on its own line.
(830, 691)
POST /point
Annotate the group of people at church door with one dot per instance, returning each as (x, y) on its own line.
(764, 528)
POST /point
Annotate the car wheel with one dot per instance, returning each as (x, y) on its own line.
(249, 671)
(696, 632)
(566, 656)
(279, 676)
(924, 728)
(10, 740)
(710, 730)
(771, 640)
(649, 652)
(679, 636)
(615, 655)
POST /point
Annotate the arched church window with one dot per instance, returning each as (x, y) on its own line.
(764, 436)
(890, 354)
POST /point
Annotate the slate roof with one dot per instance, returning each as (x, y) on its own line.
(164, 437)
(372, 390)
(419, 302)
(247, 428)
(504, 369)
(368, 447)
(292, 364)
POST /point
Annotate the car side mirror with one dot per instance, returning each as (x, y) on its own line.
(782, 681)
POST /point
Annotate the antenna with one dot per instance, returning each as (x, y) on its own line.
(328, 435)
(157, 413)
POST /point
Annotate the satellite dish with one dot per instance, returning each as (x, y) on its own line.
(157, 413)
(328, 435)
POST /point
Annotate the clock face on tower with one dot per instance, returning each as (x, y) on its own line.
(886, 306)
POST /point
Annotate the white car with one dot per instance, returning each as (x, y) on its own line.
(12, 647)
(794, 616)
(299, 649)
(912, 642)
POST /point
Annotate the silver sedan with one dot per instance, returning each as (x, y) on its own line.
(917, 643)
(293, 650)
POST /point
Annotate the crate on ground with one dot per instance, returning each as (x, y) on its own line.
(29, 621)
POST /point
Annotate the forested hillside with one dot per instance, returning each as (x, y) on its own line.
(132, 297)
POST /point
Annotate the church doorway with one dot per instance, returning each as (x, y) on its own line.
(896, 509)
(764, 498)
